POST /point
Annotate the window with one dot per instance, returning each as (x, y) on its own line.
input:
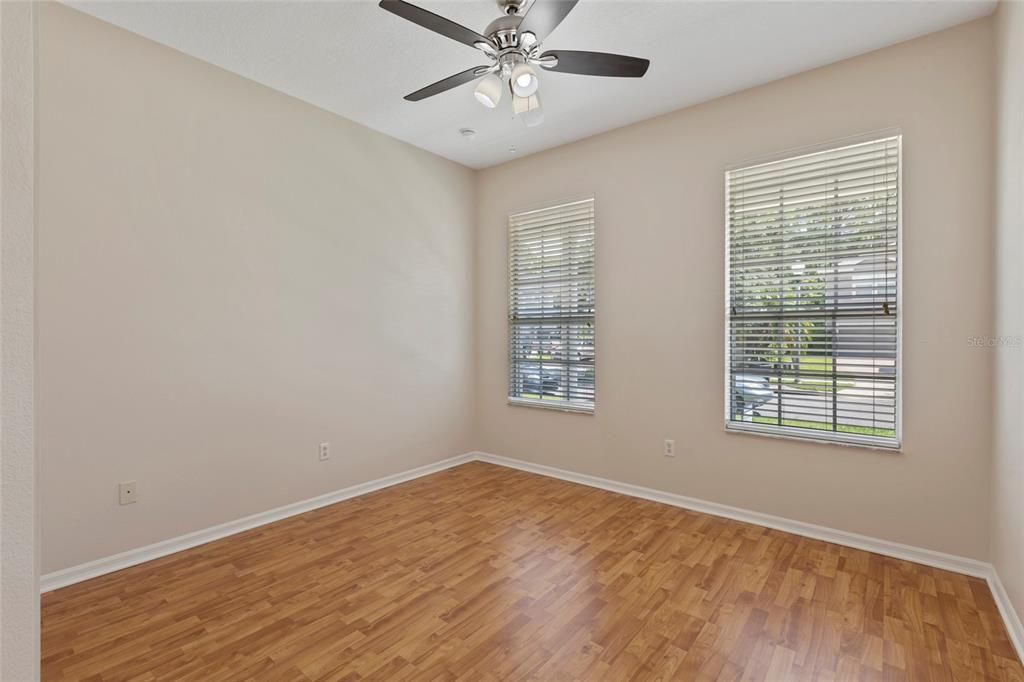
(551, 307)
(813, 337)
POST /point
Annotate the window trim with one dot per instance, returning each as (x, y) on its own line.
(892, 446)
(552, 405)
(556, 405)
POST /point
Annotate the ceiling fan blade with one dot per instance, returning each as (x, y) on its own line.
(448, 83)
(542, 18)
(434, 22)
(596, 63)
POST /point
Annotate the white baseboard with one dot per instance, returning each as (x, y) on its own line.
(93, 569)
(927, 557)
(1014, 627)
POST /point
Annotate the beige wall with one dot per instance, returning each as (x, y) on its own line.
(1008, 461)
(19, 527)
(659, 198)
(226, 277)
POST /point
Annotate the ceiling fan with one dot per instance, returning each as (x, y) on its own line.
(512, 44)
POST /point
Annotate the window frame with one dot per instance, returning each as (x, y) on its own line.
(888, 445)
(552, 405)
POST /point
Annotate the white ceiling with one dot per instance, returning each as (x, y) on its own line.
(354, 59)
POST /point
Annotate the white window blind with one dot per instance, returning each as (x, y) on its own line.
(812, 295)
(551, 306)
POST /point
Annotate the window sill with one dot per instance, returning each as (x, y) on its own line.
(552, 405)
(847, 440)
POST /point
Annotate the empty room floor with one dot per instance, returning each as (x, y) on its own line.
(487, 573)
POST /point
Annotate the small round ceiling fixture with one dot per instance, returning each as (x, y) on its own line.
(467, 133)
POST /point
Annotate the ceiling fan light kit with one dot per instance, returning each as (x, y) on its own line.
(524, 80)
(512, 43)
(488, 91)
(529, 108)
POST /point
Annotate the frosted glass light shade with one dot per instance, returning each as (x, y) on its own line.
(524, 80)
(529, 108)
(488, 91)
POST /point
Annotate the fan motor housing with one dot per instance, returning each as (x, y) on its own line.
(504, 31)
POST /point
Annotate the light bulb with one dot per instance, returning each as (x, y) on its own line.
(524, 80)
(488, 91)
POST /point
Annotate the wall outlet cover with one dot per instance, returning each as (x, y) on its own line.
(127, 492)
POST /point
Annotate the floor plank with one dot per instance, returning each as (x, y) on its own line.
(487, 573)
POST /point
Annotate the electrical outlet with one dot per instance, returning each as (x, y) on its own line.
(325, 452)
(670, 448)
(128, 492)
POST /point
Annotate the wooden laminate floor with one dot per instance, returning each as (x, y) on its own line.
(487, 573)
